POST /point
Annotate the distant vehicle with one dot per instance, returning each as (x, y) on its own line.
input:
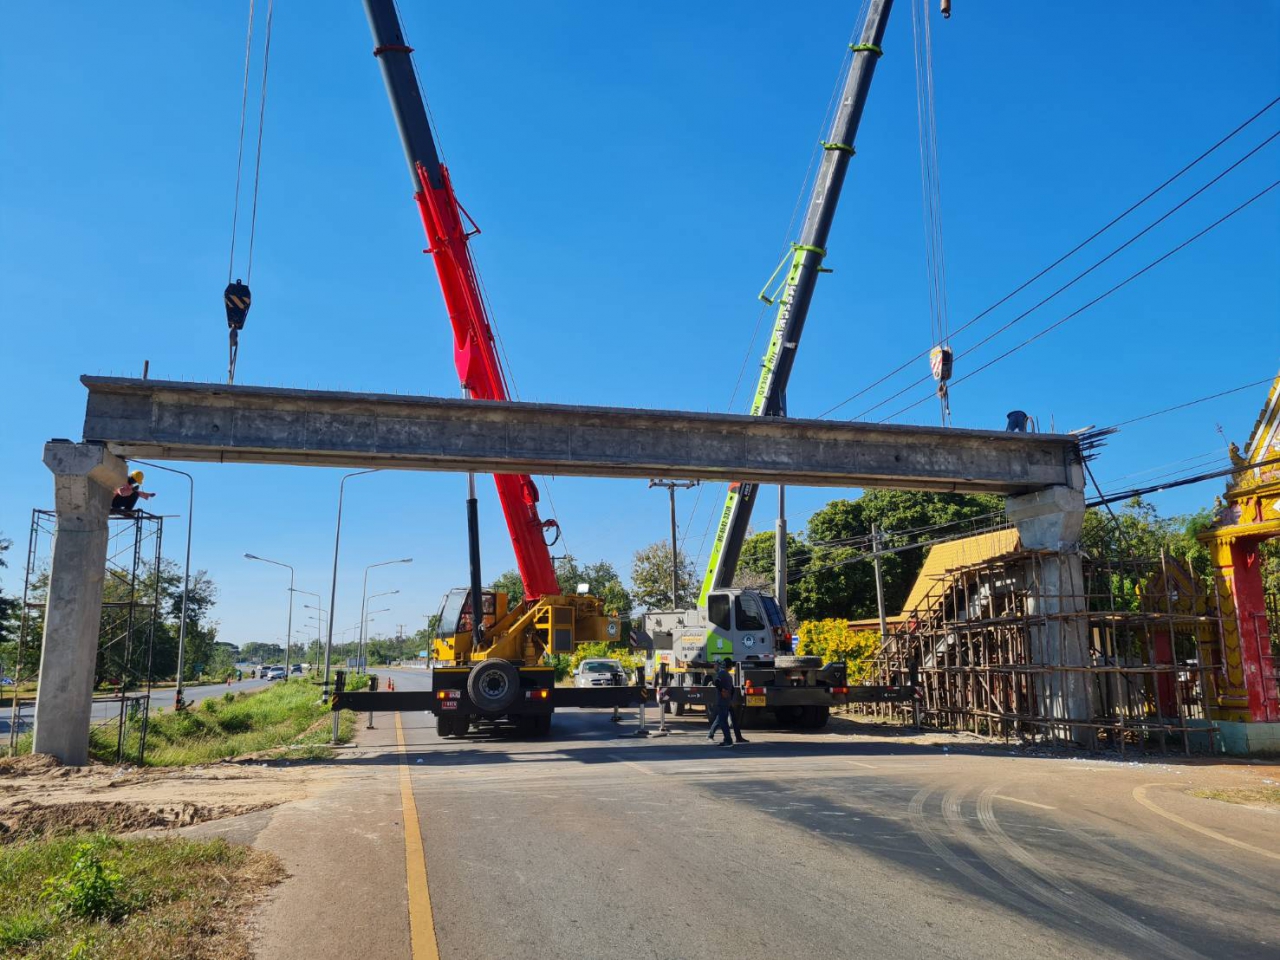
(600, 673)
(296, 668)
(6, 681)
(273, 673)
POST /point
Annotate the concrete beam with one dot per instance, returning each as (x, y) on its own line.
(166, 420)
(84, 477)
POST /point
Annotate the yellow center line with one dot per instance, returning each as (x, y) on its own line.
(1140, 794)
(1029, 803)
(422, 926)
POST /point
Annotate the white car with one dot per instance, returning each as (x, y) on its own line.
(273, 673)
(600, 673)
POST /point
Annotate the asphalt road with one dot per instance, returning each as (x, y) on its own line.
(106, 710)
(588, 844)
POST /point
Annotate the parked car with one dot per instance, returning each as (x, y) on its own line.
(600, 673)
(274, 673)
(296, 668)
(6, 681)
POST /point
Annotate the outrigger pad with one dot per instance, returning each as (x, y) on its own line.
(237, 299)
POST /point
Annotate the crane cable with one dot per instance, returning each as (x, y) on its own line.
(940, 356)
(237, 297)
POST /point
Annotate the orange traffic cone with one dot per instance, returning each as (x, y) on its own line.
(391, 684)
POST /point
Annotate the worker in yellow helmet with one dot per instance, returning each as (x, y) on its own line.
(126, 497)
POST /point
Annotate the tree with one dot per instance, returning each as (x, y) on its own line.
(651, 578)
(756, 563)
(835, 583)
(510, 584)
(262, 652)
(600, 577)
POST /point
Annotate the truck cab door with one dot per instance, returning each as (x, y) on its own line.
(719, 626)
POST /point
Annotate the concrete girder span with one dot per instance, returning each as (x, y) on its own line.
(1041, 474)
(243, 424)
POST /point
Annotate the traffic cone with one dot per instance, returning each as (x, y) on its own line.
(391, 685)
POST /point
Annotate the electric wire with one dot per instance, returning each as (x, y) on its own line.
(1174, 484)
(1189, 403)
(1060, 260)
(1102, 296)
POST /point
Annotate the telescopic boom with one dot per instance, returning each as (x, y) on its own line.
(797, 287)
(474, 353)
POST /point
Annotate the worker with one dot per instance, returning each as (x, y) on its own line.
(725, 717)
(127, 496)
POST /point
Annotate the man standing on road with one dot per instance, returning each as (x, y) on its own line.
(725, 717)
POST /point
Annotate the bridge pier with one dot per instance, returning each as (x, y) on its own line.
(1051, 520)
(85, 475)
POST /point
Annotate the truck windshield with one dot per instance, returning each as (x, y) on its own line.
(718, 610)
(747, 612)
(450, 609)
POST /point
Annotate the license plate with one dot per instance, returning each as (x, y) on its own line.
(756, 700)
(449, 705)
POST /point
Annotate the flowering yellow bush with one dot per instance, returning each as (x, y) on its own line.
(833, 640)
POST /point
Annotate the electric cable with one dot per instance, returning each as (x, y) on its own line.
(1066, 256)
(1102, 296)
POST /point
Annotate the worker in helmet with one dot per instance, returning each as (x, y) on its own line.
(126, 497)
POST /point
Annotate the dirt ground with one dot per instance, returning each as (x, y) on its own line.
(38, 796)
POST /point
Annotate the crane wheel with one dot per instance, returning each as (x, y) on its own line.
(493, 686)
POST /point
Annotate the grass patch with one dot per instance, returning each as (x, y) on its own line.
(1251, 796)
(283, 721)
(108, 898)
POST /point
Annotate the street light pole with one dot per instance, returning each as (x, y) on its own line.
(364, 593)
(289, 628)
(333, 587)
(364, 605)
(671, 487)
(318, 599)
(186, 578)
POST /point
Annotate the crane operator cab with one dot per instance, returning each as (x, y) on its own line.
(452, 639)
(745, 625)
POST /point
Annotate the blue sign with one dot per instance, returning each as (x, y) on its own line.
(424, 653)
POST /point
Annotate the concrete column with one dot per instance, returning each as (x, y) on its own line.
(1051, 520)
(84, 476)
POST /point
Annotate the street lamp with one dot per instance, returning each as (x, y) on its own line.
(333, 586)
(289, 629)
(308, 593)
(364, 605)
(186, 578)
(364, 591)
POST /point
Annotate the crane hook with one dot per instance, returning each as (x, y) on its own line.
(237, 299)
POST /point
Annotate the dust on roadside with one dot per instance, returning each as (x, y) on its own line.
(40, 797)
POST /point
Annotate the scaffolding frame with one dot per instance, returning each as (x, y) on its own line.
(126, 636)
(1154, 634)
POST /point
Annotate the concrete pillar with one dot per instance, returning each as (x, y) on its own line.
(84, 476)
(1051, 520)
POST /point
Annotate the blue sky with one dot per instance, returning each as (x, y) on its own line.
(634, 168)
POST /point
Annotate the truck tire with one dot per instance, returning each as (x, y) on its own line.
(815, 718)
(447, 726)
(793, 663)
(493, 686)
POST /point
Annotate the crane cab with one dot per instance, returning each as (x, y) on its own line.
(452, 640)
(745, 625)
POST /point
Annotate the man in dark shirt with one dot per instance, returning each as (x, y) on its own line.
(725, 717)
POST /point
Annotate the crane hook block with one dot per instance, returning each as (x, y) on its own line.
(237, 298)
(940, 363)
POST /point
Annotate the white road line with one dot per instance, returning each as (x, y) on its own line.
(1029, 803)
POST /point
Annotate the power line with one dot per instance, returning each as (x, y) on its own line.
(1189, 403)
(1102, 296)
(1173, 484)
(1066, 256)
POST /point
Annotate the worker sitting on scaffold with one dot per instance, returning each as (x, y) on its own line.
(126, 497)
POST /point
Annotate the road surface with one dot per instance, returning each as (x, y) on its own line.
(589, 844)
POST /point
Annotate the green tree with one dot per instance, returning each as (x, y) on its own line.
(262, 652)
(510, 584)
(835, 583)
(651, 578)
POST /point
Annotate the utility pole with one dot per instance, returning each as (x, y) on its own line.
(780, 540)
(671, 486)
(875, 553)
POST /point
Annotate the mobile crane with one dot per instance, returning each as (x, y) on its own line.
(746, 626)
(497, 671)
